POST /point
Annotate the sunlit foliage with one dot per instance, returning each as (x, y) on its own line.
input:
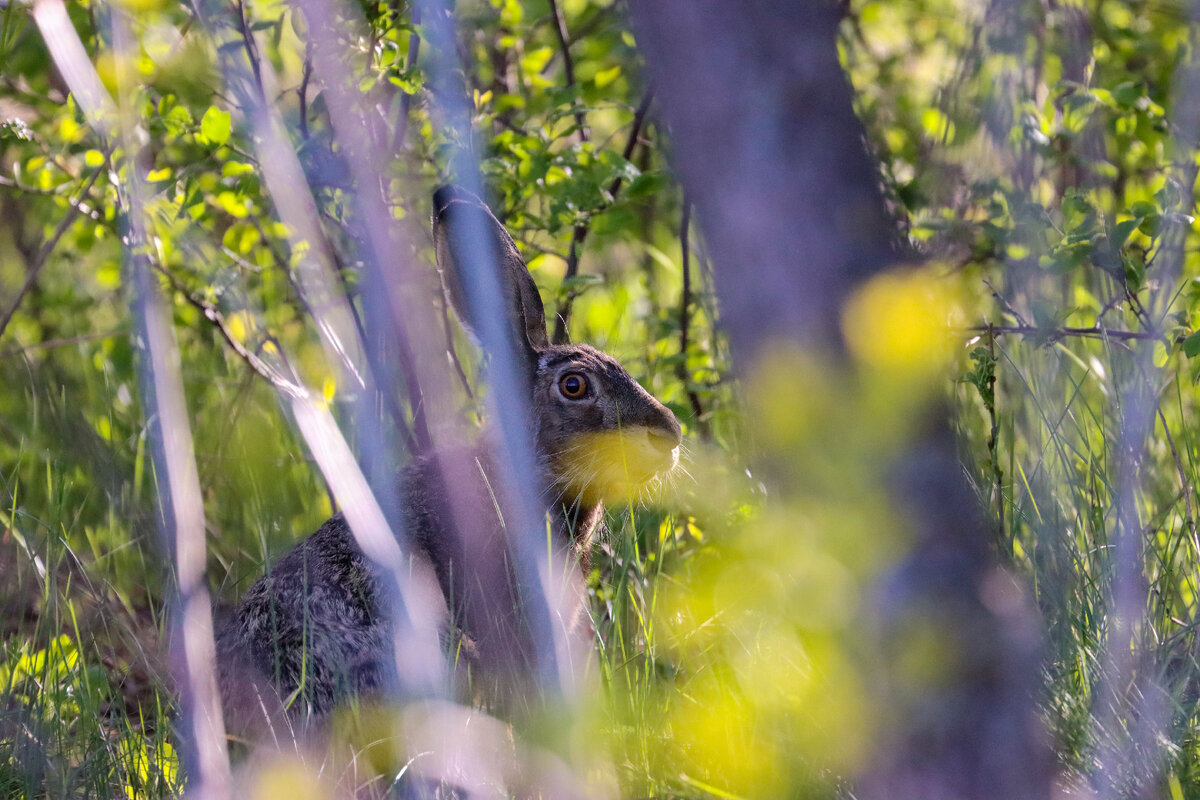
(1042, 158)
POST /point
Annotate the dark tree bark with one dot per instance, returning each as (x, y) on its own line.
(766, 140)
(767, 144)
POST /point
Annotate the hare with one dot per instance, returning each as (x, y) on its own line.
(315, 629)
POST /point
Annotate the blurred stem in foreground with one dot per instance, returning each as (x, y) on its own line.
(767, 143)
(181, 506)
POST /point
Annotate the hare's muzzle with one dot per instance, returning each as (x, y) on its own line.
(647, 453)
(618, 465)
(665, 443)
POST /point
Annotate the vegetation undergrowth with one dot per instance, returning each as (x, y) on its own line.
(1041, 162)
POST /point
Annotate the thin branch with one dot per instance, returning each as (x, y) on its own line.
(296, 206)
(1054, 334)
(685, 302)
(415, 443)
(51, 344)
(303, 95)
(994, 433)
(560, 28)
(452, 353)
(581, 231)
(1185, 484)
(589, 26)
(251, 50)
(81, 207)
(1003, 301)
(406, 98)
(289, 385)
(39, 260)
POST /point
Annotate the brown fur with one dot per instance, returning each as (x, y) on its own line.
(314, 629)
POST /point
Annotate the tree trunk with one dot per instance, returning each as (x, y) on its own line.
(767, 144)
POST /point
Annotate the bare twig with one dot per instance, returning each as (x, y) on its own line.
(452, 353)
(685, 302)
(303, 95)
(564, 43)
(1185, 484)
(1003, 301)
(416, 441)
(414, 50)
(288, 383)
(295, 205)
(251, 49)
(581, 231)
(994, 431)
(50, 344)
(24, 188)
(1054, 334)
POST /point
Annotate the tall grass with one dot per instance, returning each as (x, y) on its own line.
(85, 706)
(1058, 412)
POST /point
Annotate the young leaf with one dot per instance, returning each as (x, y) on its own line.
(216, 126)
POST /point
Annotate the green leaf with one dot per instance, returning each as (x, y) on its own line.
(241, 238)
(108, 275)
(606, 76)
(216, 126)
(511, 13)
(646, 185)
(1135, 273)
(1127, 93)
(408, 81)
(1122, 230)
(1161, 354)
(1191, 345)
(536, 60)
(1143, 208)
(233, 204)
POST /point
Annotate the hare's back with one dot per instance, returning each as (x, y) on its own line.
(313, 626)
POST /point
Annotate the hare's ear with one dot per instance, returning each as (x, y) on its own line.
(465, 234)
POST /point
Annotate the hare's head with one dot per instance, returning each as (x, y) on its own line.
(600, 436)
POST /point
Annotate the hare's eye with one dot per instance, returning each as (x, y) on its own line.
(573, 385)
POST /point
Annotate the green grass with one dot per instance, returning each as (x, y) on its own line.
(85, 709)
(1059, 415)
(729, 644)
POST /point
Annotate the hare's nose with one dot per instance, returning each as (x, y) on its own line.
(662, 440)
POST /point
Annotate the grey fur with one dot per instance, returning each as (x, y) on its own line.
(314, 629)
